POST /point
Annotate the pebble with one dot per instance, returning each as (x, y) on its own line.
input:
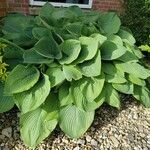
(88, 138)
(115, 141)
(93, 142)
(7, 132)
(82, 142)
(76, 148)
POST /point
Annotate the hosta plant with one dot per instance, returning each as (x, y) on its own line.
(63, 65)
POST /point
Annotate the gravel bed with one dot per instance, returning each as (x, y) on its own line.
(112, 129)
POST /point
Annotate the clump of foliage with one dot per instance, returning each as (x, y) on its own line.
(145, 48)
(3, 65)
(64, 64)
(136, 17)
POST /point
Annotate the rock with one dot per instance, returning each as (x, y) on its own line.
(131, 137)
(114, 141)
(88, 138)
(6, 148)
(136, 148)
(82, 142)
(65, 141)
(76, 148)
(135, 116)
(93, 142)
(7, 132)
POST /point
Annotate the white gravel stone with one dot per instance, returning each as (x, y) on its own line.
(76, 148)
(88, 138)
(7, 132)
(81, 142)
(114, 141)
(93, 142)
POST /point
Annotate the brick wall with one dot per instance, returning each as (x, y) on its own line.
(13, 6)
(105, 5)
(23, 6)
(3, 7)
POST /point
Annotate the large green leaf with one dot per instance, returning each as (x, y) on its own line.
(136, 80)
(109, 68)
(39, 32)
(39, 123)
(117, 78)
(86, 90)
(91, 67)
(74, 122)
(115, 39)
(126, 88)
(111, 96)
(74, 28)
(71, 49)
(48, 47)
(99, 37)
(6, 102)
(71, 72)
(65, 94)
(126, 36)
(13, 56)
(62, 13)
(18, 28)
(134, 69)
(46, 10)
(34, 97)
(109, 23)
(20, 79)
(142, 94)
(110, 50)
(128, 57)
(89, 47)
(32, 57)
(56, 75)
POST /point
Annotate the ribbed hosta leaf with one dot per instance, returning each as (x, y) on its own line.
(133, 68)
(143, 95)
(126, 36)
(74, 122)
(32, 57)
(22, 78)
(89, 47)
(111, 95)
(126, 88)
(48, 47)
(71, 50)
(39, 32)
(136, 80)
(34, 97)
(86, 90)
(71, 72)
(39, 123)
(99, 37)
(6, 102)
(56, 75)
(111, 51)
(65, 95)
(110, 23)
(115, 78)
(92, 67)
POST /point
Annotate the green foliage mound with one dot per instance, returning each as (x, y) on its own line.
(63, 65)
